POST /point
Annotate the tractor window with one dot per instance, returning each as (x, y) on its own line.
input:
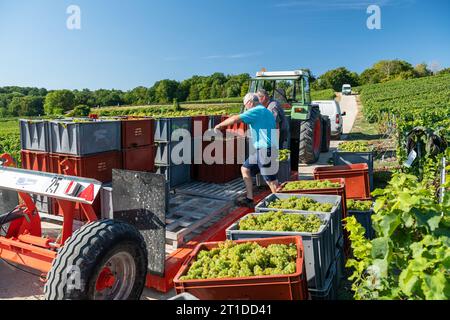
(284, 91)
(299, 91)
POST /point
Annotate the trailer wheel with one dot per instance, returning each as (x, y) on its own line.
(311, 138)
(326, 134)
(103, 260)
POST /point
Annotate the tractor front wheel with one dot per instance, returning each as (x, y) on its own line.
(103, 260)
(311, 137)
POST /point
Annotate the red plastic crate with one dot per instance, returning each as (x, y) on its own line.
(356, 177)
(139, 159)
(98, 166)
(137, 133)
(218, 173)
(204, 123)
(37, 161)
(275, 287)
(238, 128)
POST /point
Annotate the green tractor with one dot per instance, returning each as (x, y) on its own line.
(309, 130)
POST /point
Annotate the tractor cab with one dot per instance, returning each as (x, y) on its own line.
(290, 88)
(309, 130)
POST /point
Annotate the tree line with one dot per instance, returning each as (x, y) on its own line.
(23, 101)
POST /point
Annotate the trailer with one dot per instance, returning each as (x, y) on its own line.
(141, 243)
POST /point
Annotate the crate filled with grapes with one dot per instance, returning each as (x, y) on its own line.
(258, 269)
(315, 230)
(306, 203)
(354, 152)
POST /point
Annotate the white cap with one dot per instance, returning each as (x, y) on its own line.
(251, 97)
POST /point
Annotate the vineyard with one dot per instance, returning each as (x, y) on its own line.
(410, 255)
(10, 138)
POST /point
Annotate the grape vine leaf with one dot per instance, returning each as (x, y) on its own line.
(389, 223)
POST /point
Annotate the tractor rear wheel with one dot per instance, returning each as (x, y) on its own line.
(103, 260)
(326, 134)
(311, 137)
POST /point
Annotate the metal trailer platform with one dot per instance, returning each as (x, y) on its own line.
(215, 232)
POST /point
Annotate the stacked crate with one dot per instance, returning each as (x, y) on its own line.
(227, 168)
(138, 149)
(323, 249)
(83, 148)
(91, 148)
(175, 173)
(35, 155)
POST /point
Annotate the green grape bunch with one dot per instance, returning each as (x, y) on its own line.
(231, 260)
(283, 155)
(310, 184)
(304, 204)
(279, 221)
(355, 146)
(359, 205)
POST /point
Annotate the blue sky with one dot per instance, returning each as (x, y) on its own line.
(124, 44)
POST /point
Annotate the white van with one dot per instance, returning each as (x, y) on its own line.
(346, 89)
(332, 109)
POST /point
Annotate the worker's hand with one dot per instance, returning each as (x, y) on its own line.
(217, 128)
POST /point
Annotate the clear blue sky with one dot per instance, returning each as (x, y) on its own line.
(124, 44)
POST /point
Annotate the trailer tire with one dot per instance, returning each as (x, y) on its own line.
(326, 134)
(102, 256)
(311, 137)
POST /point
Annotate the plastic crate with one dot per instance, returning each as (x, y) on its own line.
(175, 175)
(275, 287)
(318, 247)
(97, 166)
(364, 218)
(339, 191)
(283, 175)
(340, 261)
(164, 127)
(357, 185)
(34, 135)
(36, 161)
(137, 133)
(139, 159)
(84, 138)
(335, 214)
(344, 157)
(163, 151)
(331, 287)
(219, 172)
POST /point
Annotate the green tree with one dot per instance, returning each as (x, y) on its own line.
(81, 111)
(59, 101)
(334, 79)
(370, 76)
(421, 70)
(84, 97)
(166, 90)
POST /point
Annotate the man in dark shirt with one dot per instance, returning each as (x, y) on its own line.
(277, 110)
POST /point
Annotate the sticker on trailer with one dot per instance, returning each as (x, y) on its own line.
(61, 187)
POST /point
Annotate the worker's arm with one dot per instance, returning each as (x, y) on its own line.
(228, 122)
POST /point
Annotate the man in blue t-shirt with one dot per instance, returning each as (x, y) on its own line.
(263, 137)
